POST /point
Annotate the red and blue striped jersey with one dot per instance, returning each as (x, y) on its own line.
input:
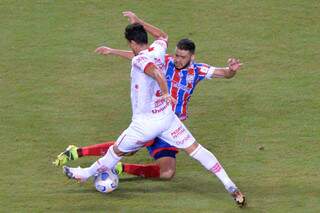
(181, 83)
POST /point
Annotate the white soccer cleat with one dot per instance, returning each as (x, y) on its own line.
(79, 174)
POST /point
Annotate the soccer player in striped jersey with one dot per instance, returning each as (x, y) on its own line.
(183, 75)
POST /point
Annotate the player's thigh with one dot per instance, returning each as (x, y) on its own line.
(137, 135)
(177, 134)
(146, 129)
(129, 142)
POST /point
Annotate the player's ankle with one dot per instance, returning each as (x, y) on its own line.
(79, 151)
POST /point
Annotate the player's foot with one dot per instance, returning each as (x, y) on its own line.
(78, 174)
(119, 168)
(70, 153)
(238, 197)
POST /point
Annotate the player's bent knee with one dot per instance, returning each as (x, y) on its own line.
(167, 164)
(168, 174)
(191, 148)
(120, 153)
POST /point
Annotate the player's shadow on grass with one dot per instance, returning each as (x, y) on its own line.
(177, 184)
(136, 179)
(129, 186)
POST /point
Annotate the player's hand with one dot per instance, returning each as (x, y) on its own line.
(169, 99)
(234, 64)
(103, 50)
(132, 18)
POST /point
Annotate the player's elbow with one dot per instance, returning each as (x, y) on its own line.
(163, 36)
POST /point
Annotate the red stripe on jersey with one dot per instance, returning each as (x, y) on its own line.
(184, 106)
(174, 89)
(200, 69)
(186, 95)
(150, 49)
(147, 66)
(202, 73)
(190, 72)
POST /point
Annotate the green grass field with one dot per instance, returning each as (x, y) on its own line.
(55, 91)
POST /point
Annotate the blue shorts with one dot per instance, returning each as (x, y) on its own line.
(159, 148)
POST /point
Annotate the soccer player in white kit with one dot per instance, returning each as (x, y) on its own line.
(152, 115)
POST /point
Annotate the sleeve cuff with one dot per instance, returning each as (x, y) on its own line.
(210, 72)
(150, 64)
(164, 40)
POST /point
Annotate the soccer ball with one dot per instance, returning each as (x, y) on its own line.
(106, 182)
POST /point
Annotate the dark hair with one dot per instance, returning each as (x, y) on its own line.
(136, 32)
(186, 44)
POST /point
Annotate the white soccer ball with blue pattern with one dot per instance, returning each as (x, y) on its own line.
(106, 182)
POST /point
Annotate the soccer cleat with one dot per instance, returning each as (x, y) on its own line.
(119, 168)
(238, 197)
(77, 174)
(70, 153)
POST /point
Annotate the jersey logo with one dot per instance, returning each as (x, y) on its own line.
(158, 93)
(159, 63)
(141, 59)
(190, 79)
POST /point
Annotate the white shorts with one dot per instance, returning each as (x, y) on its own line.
(140, 131)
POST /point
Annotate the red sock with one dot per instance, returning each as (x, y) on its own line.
(95, 150)
(142, 170)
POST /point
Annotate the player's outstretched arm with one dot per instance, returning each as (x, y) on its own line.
(228, 72)
(154, 31)
(103, 50)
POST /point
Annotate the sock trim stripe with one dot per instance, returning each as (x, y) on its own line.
(196, 151)
(216, 168)
(121, 139)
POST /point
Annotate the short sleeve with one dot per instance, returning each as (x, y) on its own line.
(141, 62)
(159, 45)
(207, 71)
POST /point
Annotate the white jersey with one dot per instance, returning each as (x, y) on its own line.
(145, 91)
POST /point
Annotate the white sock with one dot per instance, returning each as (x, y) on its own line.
(108, 161)
(210, 162)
